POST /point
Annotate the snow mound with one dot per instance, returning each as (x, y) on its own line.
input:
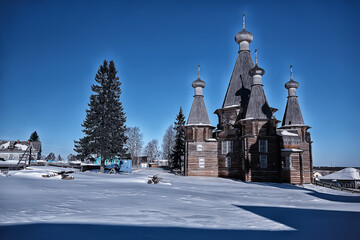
(345, 174)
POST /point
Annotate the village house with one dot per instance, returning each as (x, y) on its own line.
(347, 178)
(247, 143)
(15, 150)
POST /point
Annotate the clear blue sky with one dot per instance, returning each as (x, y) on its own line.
(51, 50)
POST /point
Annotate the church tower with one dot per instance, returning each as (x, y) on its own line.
(260, 143)
(201, 148)
(233, 109)
(296, 152)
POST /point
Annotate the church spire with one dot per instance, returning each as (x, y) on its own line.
(292, 115)
(243, 38)
(198, 113)
(258, 107)
(243, 21)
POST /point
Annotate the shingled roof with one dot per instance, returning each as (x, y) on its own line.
(292, 115)
(198, 113)
(258, 105)
(240, 79)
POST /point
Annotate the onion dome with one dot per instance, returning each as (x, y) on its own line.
(198, 83)
(244, 35)
(291, 83)
(256, 70)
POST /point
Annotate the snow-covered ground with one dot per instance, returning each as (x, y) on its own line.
(95, 205)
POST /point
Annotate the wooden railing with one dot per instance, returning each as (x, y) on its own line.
(333, 186)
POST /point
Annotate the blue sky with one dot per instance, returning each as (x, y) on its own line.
(51, 50)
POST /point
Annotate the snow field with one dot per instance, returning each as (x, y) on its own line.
(190, 202)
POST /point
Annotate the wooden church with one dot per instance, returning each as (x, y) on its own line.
(247, 143)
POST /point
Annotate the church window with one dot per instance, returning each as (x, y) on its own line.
(228, 162)
(287, 162)
(199, 147)
(226, 147)
(263, 161)
(201, 162)
(263, 145)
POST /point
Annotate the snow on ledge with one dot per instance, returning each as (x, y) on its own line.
(291, 150)
(287, 133)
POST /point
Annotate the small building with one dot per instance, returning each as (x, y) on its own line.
(15, 150)
(161, 162)
(124, 164)
(346, 178)
(137, 161)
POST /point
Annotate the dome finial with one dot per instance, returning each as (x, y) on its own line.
(255, 56)
(243, 20)
(292, 85)
(198, 70)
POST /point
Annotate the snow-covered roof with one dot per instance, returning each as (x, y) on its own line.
(19, 146)
(345, 174)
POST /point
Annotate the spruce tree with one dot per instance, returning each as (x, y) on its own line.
(178, 152)
(104, 125)
(34, 137)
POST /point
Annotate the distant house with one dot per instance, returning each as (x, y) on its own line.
(347, 178)
(14, 150)
(137, 161)
(125, 164)
(162, 162)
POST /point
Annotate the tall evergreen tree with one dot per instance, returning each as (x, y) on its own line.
(104, 124)
(34, 137)
(178, 152)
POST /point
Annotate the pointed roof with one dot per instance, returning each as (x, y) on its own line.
(240, 79)
(198, 113)
(292, 114)
(258, 107)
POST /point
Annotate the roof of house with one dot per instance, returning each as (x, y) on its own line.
(344, 174)
(18, 146)
(240, 79)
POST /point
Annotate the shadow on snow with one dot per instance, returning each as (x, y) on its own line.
(311, 224)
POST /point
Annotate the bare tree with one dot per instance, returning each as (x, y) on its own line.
(134, 143)
(71, 157)
(168, 142)
(152, 150)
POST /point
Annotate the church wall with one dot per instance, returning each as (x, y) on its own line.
(272, 172)
(208, 153)
(199, 146)
(228, 117)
